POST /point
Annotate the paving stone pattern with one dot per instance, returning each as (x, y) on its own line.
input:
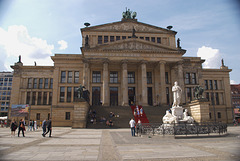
(116, 144)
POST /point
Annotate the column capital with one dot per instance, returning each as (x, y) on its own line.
(85, 61)
(124, 61)
(162, 62)
(180, 62)
(106, 61)
(143, 61)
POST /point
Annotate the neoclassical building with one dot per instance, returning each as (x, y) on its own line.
(121, 63)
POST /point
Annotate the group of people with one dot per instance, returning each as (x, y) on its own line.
(46, 126)
(138, 112)
(135, 127)
(92, 114)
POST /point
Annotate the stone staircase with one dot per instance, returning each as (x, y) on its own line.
(123, 115)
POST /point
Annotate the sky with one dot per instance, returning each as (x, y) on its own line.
(36, 30)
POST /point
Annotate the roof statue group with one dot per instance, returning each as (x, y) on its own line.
(129, 14)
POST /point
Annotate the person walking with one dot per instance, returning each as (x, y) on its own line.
(44, 126)
(21, 127)
(49, 128)
(13, 127)
(132, 126)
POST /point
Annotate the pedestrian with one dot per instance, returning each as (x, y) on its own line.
(132, 126)
(44, 126)
(13, 127)
(141, 111)
(35, 125)
(49, 128)
(21, 127)
(139, 127)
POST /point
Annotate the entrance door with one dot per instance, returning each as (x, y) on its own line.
(113, 96)
(131, 95)
(150, 100)
(96, 96)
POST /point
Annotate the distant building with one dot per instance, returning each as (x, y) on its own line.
(122, 63)
(5, 91)
(235, 90)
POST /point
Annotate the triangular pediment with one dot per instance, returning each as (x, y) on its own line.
(134, 45)
(127, 26)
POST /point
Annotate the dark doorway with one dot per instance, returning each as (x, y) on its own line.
(96, 96)
(150, 99)
(113, 96)
(131, 95)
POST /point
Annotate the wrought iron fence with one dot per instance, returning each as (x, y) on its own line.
(182, 129)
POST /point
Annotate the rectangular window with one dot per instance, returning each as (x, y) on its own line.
(28, 98)
(96, 77)
(40, 85)
(153, 39)
(46, 83)
(99, 39)
(67, 116)
(166, 78)
(212, 98)
(62, 94)
(39, 98)
(207, 96)
(35, 83)
(105, 39)
(38, 116)
(149, 77)
(215, 84)
(131, 77)
(159, 40)
(187, 78)
(194, 80)
(129, 37)
(29, 83)
(206, 84)
(63, 76)
(210, 115)
(76, 77)
(217, 98)
(113, 77)
(75, 93)
(69, 94)
(117, 38)
(210, 84)
(44, 98)
(50, 98)
(147, 38)
(189, 94)
(51, 83)
(123, 37)
(111, 38)
(33, 98)
(70, 76)
(219, 115)
(141, 37)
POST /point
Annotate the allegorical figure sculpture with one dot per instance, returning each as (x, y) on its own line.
(187, 118)
(198, 91)
(129, 14)
(177, 91)
(80, 91)
(168, 118)
(178, 43)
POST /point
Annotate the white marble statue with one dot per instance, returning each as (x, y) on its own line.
(177, 91)
(169, 118)
(187, 118)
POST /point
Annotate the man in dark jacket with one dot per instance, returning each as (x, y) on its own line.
(44, 126)
(49, 128)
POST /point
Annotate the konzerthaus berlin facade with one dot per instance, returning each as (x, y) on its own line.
(121, 63)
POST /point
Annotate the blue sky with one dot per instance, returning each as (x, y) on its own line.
(39, 29)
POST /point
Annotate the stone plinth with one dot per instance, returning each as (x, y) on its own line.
(177, 112)
(80, 114)
(199, 110)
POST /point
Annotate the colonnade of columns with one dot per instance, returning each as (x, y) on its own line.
(159, 90)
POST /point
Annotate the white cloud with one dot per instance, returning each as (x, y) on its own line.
(233, 82)
(16, 41)
(212, 57)
(63, 44)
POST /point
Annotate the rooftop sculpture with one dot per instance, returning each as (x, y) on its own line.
(129, 14)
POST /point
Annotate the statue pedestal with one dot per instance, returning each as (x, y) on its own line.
(177, 112)
(199, 110)
(80, 114)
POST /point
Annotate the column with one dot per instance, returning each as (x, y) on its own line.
(181, 81)
(85, 74)
(163, 99)
(105, 91)
(144, 96)
(156, 85)
(124, 84)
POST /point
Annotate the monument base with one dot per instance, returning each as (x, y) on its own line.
(80, 114)
(177, 112)
(199, 110)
